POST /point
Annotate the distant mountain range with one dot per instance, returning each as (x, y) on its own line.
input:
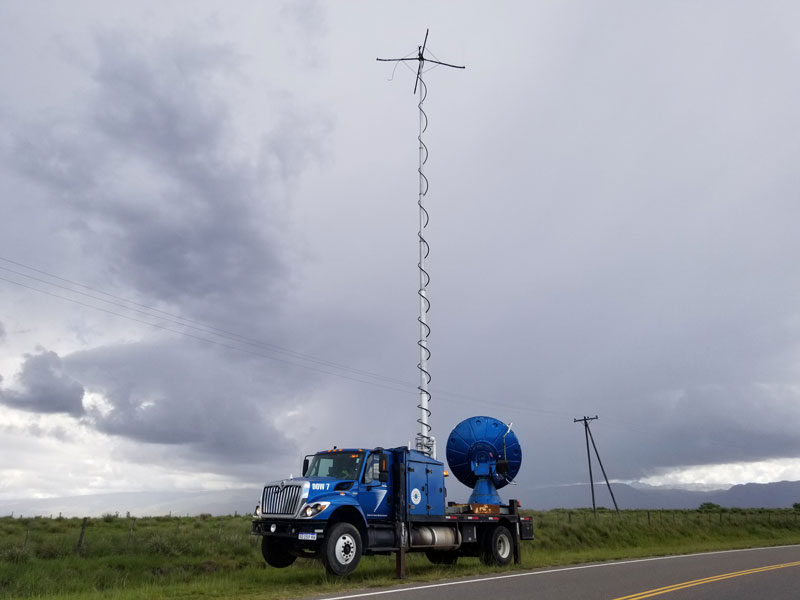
(242, 501)
(782, 494)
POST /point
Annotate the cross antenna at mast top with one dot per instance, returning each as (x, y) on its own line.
(420, 57)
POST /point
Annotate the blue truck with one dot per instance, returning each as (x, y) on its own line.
(352, 502)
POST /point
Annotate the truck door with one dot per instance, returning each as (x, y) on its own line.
(375, 495)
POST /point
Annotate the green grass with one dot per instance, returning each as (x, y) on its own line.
(215, 557)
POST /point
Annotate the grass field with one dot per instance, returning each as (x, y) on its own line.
(215, 557)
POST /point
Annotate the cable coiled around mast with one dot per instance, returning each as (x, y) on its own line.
(424, 440)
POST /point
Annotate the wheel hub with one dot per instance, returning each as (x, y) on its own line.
(345, 547)
(503, 547)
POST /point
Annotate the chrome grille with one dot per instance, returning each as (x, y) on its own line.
(280, 500)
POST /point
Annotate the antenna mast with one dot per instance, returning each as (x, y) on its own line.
(425, 442)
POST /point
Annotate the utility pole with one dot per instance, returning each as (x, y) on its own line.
(588, 433)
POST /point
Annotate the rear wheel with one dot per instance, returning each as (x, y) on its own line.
(342, 549)
(276, 552)
(442, 557)
(498, 547)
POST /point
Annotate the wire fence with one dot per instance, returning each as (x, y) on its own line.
(776, 517)
(47, 537)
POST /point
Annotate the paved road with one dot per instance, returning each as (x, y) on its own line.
(772, 573)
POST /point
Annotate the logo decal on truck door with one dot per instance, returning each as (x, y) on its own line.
(416, 497)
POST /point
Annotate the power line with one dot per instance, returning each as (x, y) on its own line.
(251, 345)
(206, 340)
(185, 322)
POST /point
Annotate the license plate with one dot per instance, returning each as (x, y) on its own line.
(306, 536)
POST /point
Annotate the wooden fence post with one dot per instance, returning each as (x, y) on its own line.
(130, 533)
(79, 547)
(27, 533)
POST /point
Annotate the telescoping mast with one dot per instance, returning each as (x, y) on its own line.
(425, 442)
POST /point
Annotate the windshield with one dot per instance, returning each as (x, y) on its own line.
(341, 465)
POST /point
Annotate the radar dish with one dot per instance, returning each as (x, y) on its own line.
(483, 448)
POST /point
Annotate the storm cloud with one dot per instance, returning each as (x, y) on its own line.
(156, 393)
(151, 174)
(154, 179)
(222, 211)
(42, 386)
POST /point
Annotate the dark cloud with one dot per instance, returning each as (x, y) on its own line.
(184, 395)
(153, 178)
(722, 423)
(2, 333)
(44, 387)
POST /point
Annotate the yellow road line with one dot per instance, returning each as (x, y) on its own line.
(688, 584)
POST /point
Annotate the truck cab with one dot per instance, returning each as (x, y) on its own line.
(361, 474)
(344, 491)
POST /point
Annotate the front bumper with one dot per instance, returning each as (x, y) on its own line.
(304, 532)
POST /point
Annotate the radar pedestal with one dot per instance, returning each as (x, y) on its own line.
(485, 455)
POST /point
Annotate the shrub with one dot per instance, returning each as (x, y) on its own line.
(166, 545)
(53, 549)
(14, 555)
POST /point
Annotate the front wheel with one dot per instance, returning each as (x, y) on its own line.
(342, 549)
(498, 547)
(276, 553)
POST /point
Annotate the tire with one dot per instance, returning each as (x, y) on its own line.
(498, 547)
(276, 552)
(342, 549)
(442, 557)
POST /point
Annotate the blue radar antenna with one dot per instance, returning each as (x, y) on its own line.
(485, 455)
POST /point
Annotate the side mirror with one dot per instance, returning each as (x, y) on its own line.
(305, 466)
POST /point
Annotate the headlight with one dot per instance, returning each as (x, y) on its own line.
(257, 511)
(312, 510)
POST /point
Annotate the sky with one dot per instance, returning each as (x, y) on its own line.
(208, 238)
